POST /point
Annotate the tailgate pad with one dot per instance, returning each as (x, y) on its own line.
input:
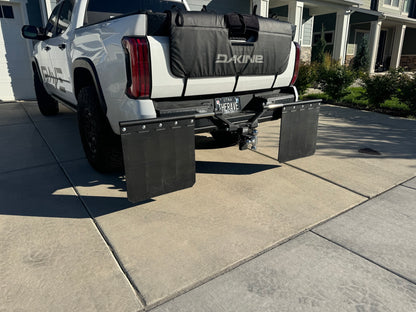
(159, 157)
(200, 46)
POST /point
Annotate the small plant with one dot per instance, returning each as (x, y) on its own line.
(380, 88)
(307, 76)
(335, 81)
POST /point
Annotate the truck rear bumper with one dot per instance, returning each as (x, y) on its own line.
(159, 153)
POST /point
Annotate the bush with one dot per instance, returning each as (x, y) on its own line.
(407, 91)
(361, 62)
(319, 51)
(307, 76)
(335, 80)
(380, 88)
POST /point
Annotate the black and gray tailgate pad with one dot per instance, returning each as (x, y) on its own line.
(200, 46)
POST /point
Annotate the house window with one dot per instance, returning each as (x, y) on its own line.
(406, 6)
(6, 11)
(393, 3)
(328, 35)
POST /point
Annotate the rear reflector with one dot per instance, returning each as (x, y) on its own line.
(138, 67)
(297, 61)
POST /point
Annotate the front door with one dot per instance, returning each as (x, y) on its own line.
(59, 53)
(380, 64)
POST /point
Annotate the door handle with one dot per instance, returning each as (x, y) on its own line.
(47, 48)
(62, 46)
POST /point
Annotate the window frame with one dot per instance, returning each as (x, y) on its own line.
(2, 13)
(54, 30)
(331, 32)
(71, 2)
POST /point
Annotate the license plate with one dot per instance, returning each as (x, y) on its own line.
(228, 105)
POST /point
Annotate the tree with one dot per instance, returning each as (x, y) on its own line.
(319, 55)
(361, 61)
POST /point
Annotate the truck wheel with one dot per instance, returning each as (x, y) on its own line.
(48, 106)
(225, 138)
(101, 145)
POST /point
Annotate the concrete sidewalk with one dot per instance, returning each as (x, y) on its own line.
(70, 240)
(363, 260)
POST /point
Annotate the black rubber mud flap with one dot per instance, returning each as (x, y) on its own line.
(159, 156)
(298, 130)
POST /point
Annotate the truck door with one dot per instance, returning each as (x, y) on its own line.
(59, 53)
(44, 62)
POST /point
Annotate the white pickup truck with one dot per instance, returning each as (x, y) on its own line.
(146, 75)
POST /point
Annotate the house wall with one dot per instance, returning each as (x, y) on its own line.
(34, 13)
(16, 82)
(408, 59)
(221, 6)
(366, 4)
(409, 45)
(391, 9)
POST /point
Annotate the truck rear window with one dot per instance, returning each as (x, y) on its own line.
(101, 10)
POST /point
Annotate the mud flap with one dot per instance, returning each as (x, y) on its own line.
(159, 156)
(298, 130)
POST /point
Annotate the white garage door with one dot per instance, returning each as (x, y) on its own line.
(15, 71)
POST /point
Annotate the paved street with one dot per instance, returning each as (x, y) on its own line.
(335, 230)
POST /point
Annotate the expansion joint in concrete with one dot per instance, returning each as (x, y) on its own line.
(90, 214)
(365, 258)
(317, 176)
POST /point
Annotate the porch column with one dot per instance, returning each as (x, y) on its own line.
(373, 42)
(397, 46)
(44, 11)
(341, 36)
(49, 7)
(295, 16)
(262, 7)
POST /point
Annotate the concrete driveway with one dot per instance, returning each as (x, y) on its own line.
(70, 241)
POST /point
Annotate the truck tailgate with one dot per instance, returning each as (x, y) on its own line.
(166, 85)
(203, 55)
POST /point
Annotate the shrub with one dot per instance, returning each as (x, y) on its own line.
(407, 90)
(319, 49)
(361, 61)
(380, 88)
(307, 76)
(335, 81)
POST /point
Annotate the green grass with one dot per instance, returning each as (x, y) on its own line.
(395, 104)
(314, 96)
(358, 99)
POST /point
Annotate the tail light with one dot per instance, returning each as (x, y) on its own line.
(138, 67)
(297, 61)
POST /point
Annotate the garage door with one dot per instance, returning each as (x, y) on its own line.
(16, 74)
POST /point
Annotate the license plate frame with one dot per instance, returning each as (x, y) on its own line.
(227, 105)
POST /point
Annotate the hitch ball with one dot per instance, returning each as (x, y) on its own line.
(248, 140)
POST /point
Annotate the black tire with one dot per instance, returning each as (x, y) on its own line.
(48, 106)
(101, 145)
(225, 138)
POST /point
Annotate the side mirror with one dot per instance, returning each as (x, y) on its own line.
(32, 32)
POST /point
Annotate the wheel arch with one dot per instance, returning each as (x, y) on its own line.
(85, 74)
(36, 69)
